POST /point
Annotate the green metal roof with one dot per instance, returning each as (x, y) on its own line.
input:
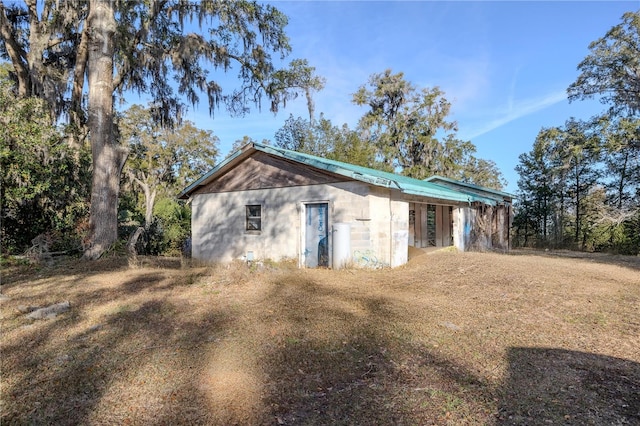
(379, 178)
(470, 187)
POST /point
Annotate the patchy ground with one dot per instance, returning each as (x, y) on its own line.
(471, 338)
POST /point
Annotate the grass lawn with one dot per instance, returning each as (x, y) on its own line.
(451, 338)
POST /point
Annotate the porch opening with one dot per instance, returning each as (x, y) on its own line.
(430, 225)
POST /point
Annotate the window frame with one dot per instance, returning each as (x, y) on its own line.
(251, 217)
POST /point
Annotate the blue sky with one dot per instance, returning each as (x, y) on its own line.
(504, 66)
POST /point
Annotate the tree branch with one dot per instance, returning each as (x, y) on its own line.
(16, 53)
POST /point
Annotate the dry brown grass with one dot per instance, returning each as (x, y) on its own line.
(471, 338)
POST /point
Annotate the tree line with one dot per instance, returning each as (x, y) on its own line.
(579, 186)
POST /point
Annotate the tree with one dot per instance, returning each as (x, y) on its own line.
(349, 147)
(302, 76)
(535, 184)
(482, 172)
(296, 135)
(559, 177)
(612, 69)
(411, 132)
(161, 160)
(404, 122)
(322, 138)
(143, 47)
(108, 156)
(579, 153)
(621, 154)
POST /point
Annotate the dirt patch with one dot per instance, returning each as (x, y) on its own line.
(450, 338)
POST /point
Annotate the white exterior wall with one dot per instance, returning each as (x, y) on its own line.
(462, 217)
(380, 230)
(218, 223)
(399, 232)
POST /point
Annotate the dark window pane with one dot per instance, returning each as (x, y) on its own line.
(254, 217)
(253, 211)
(253, 224)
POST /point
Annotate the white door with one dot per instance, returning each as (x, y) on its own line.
(316, 235)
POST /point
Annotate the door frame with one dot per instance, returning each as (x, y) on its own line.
(302, 208)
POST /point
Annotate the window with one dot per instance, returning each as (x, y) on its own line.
(254, 217)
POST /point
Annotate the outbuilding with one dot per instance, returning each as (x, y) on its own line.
(264, 202)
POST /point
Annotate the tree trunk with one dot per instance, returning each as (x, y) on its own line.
(132, 253)
(148, 215)
(108, 157)
(77, 119)
(577, 235)
(149, 199)
(623, 176)
(15, 53)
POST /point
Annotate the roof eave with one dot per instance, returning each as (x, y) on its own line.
(496, 192)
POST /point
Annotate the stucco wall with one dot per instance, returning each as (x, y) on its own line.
(218, 222)
(399, 231)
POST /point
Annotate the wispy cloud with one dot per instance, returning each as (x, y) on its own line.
(515, 110)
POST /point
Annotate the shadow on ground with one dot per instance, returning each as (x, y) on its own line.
(306, 354)
(556, 386)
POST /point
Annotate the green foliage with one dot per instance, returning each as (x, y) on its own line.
(628, 239)
(161, 162)
(404, 131)
(621, 156)
(404, 123)
(164, 49)
(578, 188)
(161, 158)
(612, 69)
(410, 131)
(171, 227)
(580, 185)
(44, 181)
(239, 143)
(323, 139)
(300, 75)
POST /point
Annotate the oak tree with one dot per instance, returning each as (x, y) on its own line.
(173, 51)
(413, 135)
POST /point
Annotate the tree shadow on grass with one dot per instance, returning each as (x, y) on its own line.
(318, 355)
(341, 363)
(64, 383)
(82, 269)
(557, 386)
(367, 370)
